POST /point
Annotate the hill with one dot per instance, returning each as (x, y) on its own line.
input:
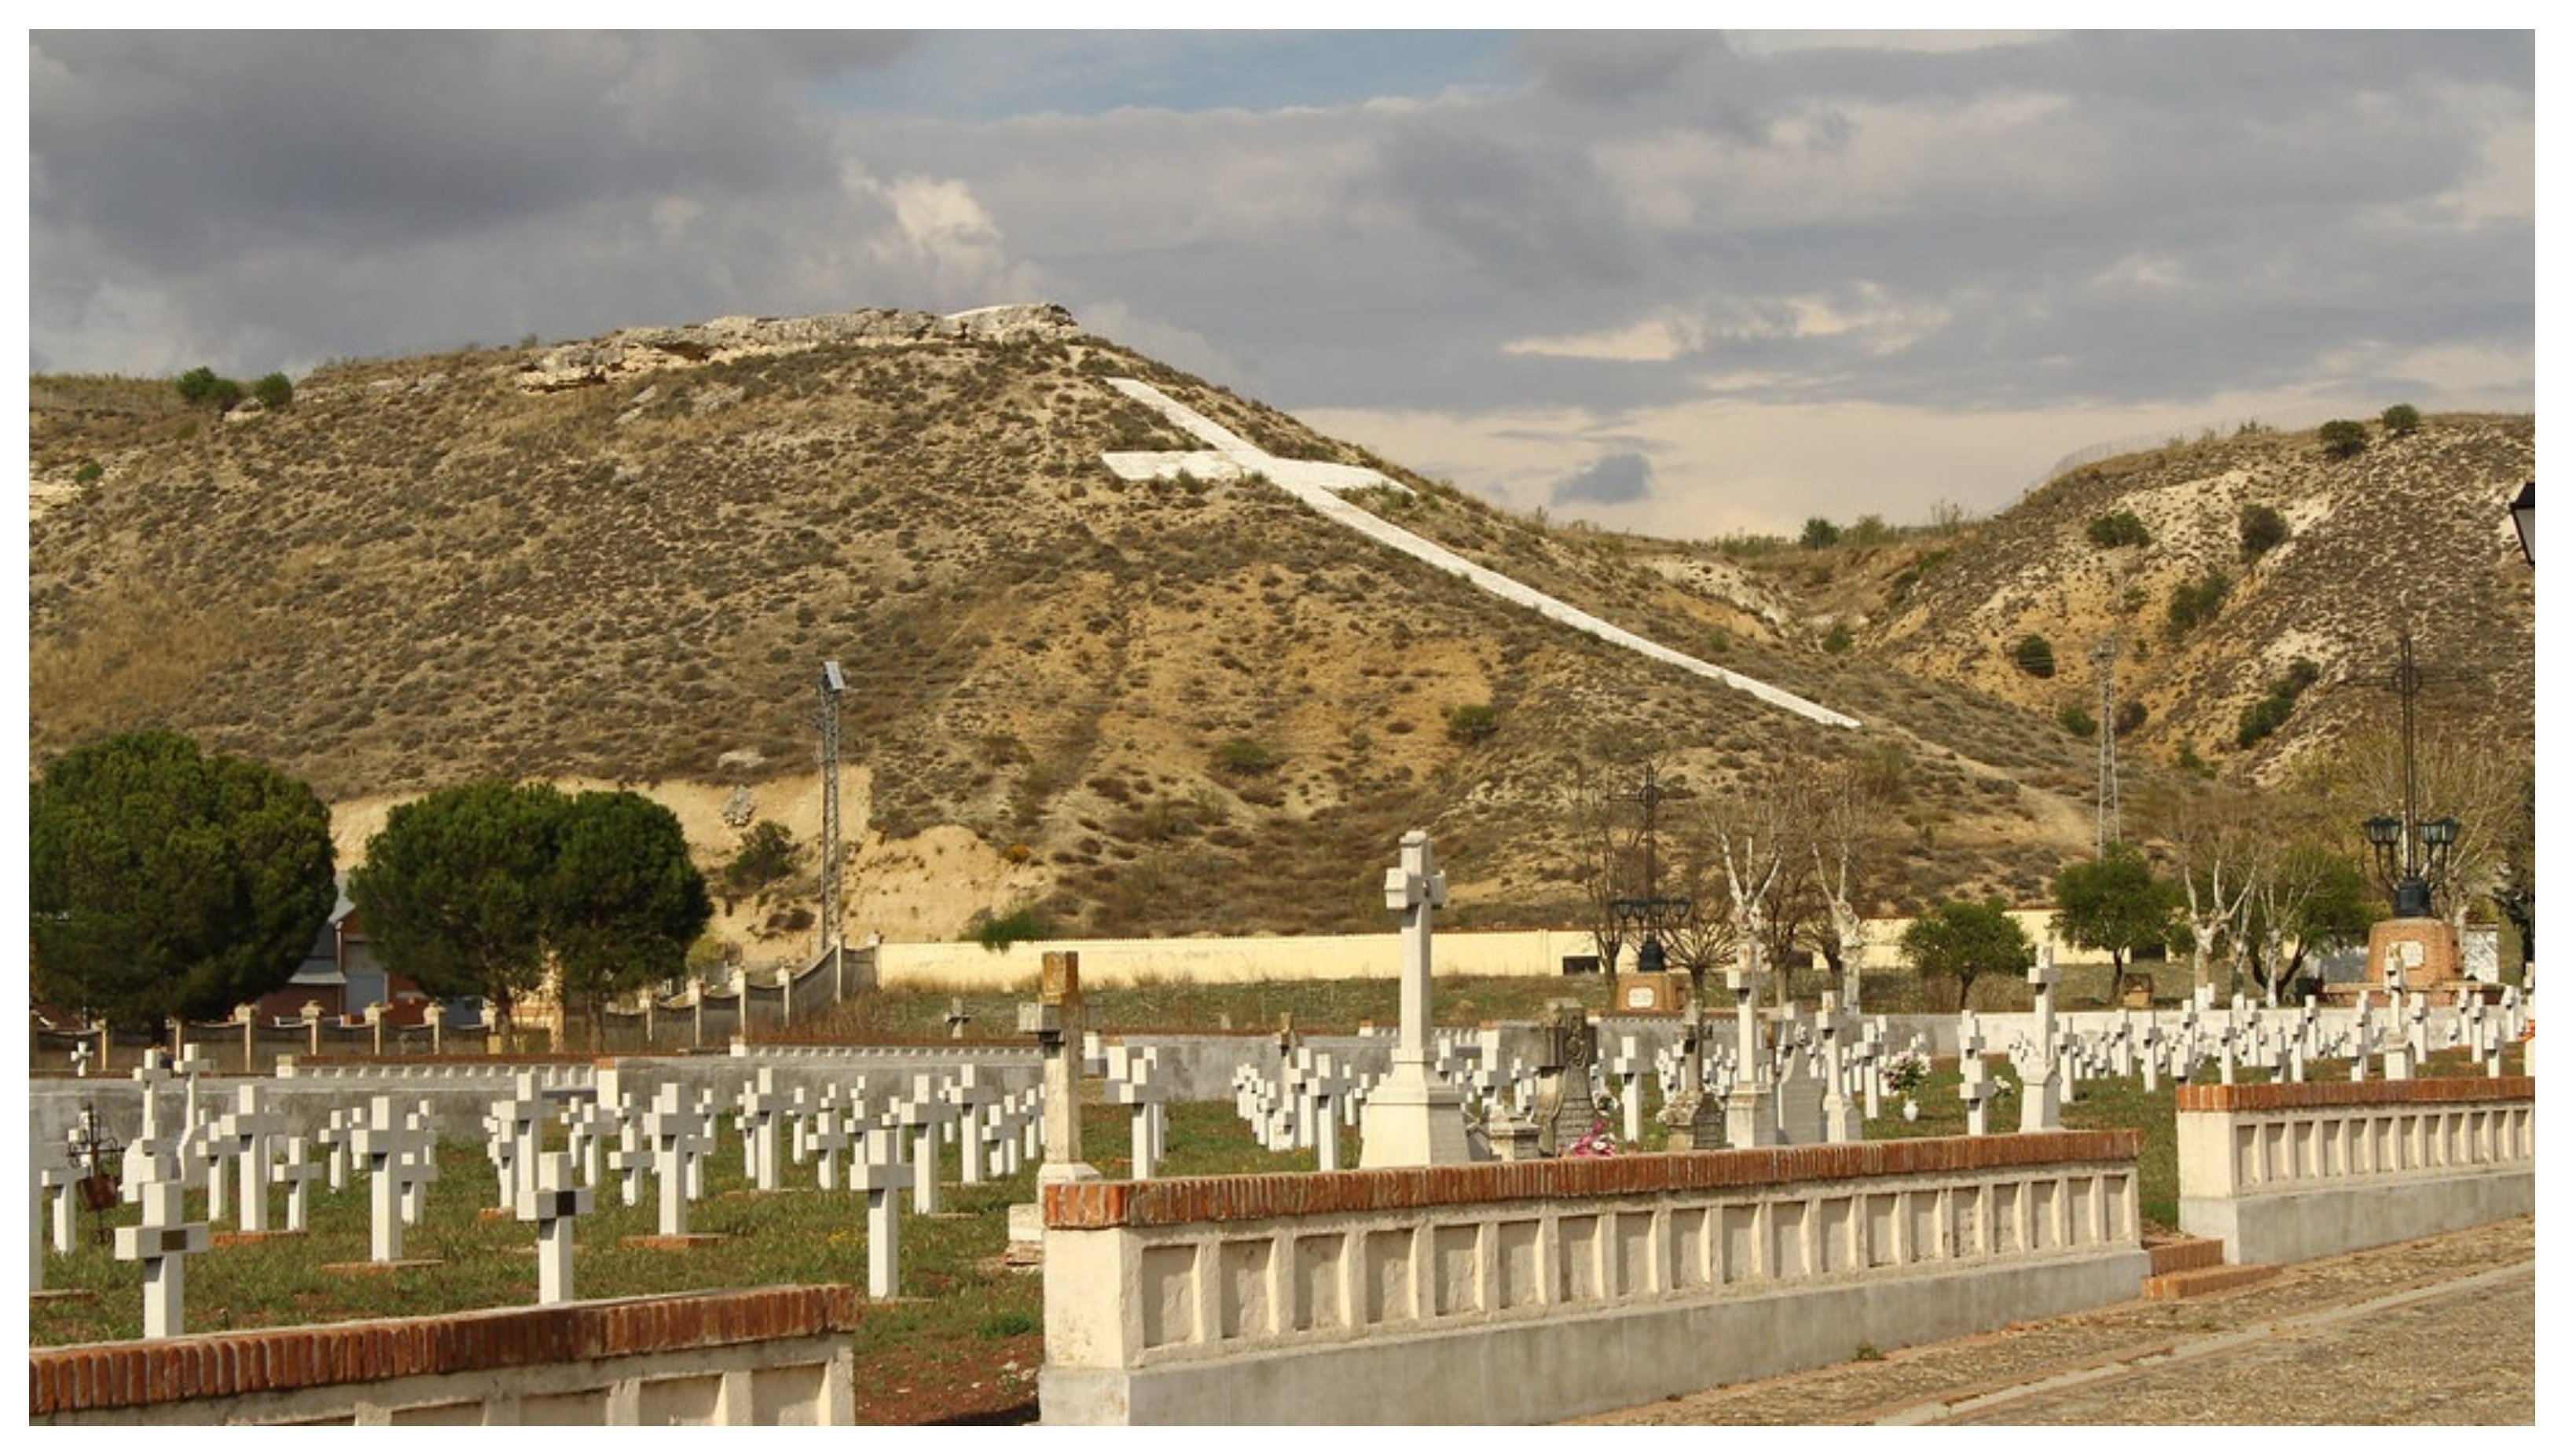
(1138, 706)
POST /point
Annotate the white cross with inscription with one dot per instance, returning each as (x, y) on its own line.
(395, 1147)
(161, 1241)
(549, 1197)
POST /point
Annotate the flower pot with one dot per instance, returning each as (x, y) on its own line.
(1910, 1110)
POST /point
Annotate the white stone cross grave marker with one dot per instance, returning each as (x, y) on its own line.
(297, 1172)
(549, 1197)
(825, 1134)
(516, 1136)
(676, 1134)
(162, 1241)
(247, 1132)
(878, 1174)
(760, 1107)
(922, 1115)
(395, 1147)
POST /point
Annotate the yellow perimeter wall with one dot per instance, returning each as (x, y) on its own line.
(965, 966)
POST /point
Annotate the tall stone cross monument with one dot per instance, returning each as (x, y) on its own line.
(1413, 1117)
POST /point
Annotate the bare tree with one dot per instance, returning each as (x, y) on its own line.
(1604, 841)
(2213, 833)
(1843, 800)
(1748, 835)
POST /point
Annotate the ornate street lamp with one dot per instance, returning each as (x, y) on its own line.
(2520, 513)
(2399, 863)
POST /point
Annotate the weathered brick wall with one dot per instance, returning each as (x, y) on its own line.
(71, 1379)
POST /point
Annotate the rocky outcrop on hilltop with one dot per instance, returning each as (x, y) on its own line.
(629, 352)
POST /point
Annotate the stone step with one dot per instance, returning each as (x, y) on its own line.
(2192, 1283)
(2178, 1255)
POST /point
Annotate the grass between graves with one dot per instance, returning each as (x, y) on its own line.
(964, 1317)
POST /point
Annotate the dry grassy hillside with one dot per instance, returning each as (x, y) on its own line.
(2412, 532)
(1153, 708)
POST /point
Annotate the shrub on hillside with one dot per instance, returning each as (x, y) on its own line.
(2120, 528)
(2343, 438)
(1819, 533)
(2074, 719)
(273, 392)
(2259, 529)
(1469, 723)
(2196, 605)
(2034, 655)
(2401, 419)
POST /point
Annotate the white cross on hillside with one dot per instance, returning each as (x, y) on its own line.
(1315, 483)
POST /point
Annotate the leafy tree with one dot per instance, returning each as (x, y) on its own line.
(203, 388)
(621, 900)
(1961, 940)
(2401, 419)
(2257, 530)
(2034, 655)
(454, 887)
(2114, 904)
(1819, 533)
(2343, 438)
(168, 882)
(767, 853)
(273, 392)
(2120, 528)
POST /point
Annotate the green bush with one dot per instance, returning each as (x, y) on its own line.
(2343, 438)
(1245, 757)
(2401, 419)
(2196, 605)
(1819, 533)
(2264, 717)
(995, 934)
(1469, 723)
(273, 392)
(2075, 720)
(1838, 638)
(2034, 655)
(2257, 530)
(2120, 528)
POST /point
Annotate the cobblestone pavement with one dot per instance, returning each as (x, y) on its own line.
(2437, 1332)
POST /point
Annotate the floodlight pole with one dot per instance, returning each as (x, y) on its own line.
(832, 683)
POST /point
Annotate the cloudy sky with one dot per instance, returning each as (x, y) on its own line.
(1683, 282)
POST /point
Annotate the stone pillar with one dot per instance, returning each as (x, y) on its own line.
(1058, 1023)
(1413, 1117)
(1753, 1114)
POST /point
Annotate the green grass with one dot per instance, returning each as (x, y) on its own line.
(951, 1281)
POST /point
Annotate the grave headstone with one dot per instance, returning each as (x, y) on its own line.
(1413, 1117)
(550, 1198)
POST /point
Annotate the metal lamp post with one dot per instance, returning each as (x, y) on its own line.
(1648, 916)
(2398, 861)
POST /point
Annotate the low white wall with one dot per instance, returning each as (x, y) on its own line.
(1524, 1293)
(2282, 1172)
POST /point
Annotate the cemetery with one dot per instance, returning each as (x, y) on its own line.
(1267, 1227)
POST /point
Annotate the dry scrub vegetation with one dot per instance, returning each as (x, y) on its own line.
(1157, 708)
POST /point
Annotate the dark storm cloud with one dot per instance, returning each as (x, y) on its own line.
(1588, 226)
(1614, 480)
(197, 163)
